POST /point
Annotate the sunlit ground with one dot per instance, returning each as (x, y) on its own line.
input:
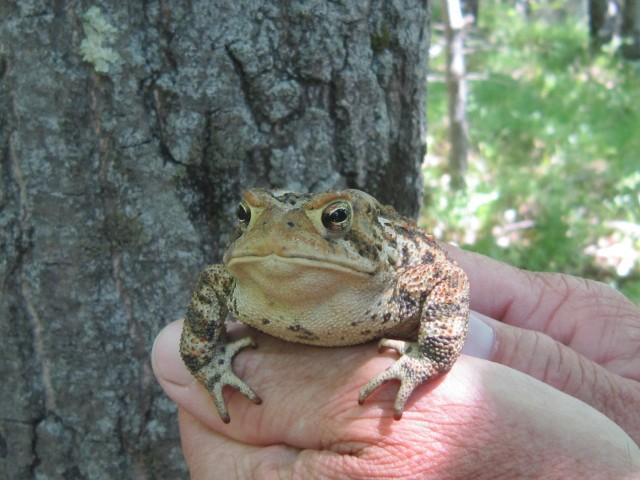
(554, 168)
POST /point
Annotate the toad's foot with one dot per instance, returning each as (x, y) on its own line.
(218, 373)
(411, 369)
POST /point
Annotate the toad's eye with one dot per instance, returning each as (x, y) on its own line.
(243, 213)
(337, 217)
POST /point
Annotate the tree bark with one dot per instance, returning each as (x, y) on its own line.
(127, 131)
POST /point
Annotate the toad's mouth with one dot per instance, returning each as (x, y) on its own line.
(303, 261)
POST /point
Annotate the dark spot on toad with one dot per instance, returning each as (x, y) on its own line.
(307, 335)
(386, 317)
(294, 328)
(194, 362)
(401, 230)
(266, 321)
(423, 297)
(221, 361)
(407, 300)
(291, 224)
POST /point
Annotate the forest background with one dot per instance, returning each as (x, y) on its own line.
(553, 177)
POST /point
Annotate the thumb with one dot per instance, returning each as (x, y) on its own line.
(556, 364)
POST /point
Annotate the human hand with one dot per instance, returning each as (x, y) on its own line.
(482, 420)
(579, 336)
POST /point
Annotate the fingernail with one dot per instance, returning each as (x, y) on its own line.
(480, 339)
(165, 356)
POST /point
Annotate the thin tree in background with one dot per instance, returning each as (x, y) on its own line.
(470, 11)
(615, 21)
(630, 30)
(604, 22)
(457, 91)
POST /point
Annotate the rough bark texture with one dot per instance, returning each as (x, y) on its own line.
(127, 130)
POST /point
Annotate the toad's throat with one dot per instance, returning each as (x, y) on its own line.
(302, 261)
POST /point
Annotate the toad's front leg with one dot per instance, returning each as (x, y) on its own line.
(203, 345)
(443, 317)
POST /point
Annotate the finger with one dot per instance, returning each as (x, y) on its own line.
(210, 455)
(172, 374)
(571, 310)
(544, 358)
(480, 339)
(185, 390)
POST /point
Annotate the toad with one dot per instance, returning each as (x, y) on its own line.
(328, 269)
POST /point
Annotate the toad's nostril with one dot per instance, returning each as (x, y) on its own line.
(291, 224)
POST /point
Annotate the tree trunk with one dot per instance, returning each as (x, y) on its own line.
(471, 10)
(127, 131)
(630, 30)
(604, 22)
(457, 92)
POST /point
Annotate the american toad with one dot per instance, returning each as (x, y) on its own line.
(329, 269)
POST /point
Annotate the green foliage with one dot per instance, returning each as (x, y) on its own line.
(554, 176)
